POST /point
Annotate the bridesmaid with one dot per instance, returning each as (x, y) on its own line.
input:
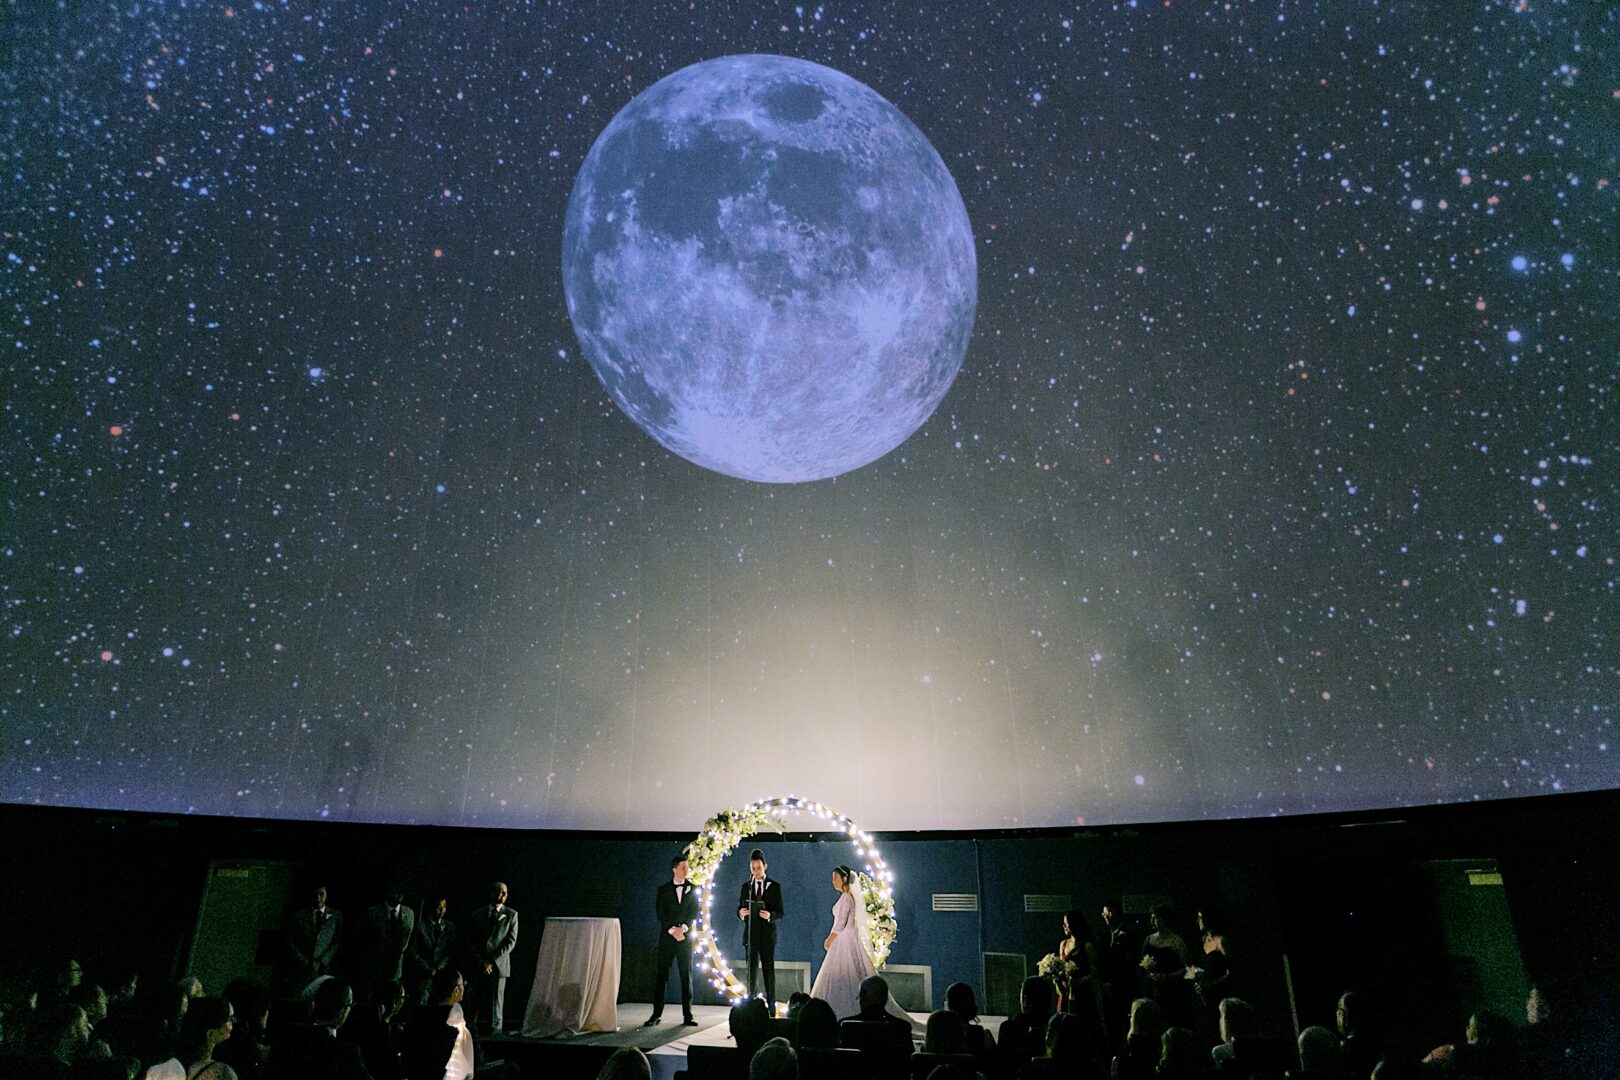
(1077, 946)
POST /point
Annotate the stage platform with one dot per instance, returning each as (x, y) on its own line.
(566, 1057)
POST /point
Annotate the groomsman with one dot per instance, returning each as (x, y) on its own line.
(432, 950)
(386, 930)
(677, 911)
(493, 933)
(759, 930)
(312, 936)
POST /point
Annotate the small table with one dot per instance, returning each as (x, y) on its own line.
(576, 979)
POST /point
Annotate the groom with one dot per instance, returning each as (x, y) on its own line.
(759, 931)
(677, 910)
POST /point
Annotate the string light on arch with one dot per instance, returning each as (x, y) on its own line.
(722, 834)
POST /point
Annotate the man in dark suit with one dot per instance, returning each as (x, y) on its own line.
(313, 936)
(677, 911)
(492, 935)
(385, 933)
(759, 926)
(432, 950)
(313, 1051)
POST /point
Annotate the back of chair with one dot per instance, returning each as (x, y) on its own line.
(923, 1064)
(829, 1063)
(884, 1047)
(716, 1063)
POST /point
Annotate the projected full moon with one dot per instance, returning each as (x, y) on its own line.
(769, 268)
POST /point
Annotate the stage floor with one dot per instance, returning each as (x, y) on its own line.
(665, 1045)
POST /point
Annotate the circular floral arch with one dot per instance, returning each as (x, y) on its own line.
(720, 836)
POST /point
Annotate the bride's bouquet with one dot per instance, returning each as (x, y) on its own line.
(1056, 968)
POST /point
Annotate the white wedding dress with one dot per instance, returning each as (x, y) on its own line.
(848, 963)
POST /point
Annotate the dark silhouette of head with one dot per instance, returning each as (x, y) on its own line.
(874, 993)
(1036, 997)
(960, 999)
(818, 1025)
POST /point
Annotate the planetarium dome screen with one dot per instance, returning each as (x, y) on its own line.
(971, 418)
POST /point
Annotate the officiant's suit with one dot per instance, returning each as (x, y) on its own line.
(677, 906)
(763, 958)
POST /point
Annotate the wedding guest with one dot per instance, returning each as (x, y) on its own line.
(93, 1000)
(248, 1048)
(749, 1023)
(1023, 1037)
(1359, 1037)
(54, 1043)
(1319, 1055)
(1144, 1042)
(626, 1063)
(818, 1026)
(1238, 1020)
(776, 1060)
(207, 1024)
(313, 1051)
(960, 999)
(1179, 1055)
(944, 1033)
(375, 1029)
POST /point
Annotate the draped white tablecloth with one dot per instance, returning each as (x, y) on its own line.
(576, 979)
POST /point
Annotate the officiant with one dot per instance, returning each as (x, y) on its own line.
(759, 906)
(677, 910)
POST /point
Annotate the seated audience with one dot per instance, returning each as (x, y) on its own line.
(1023, 1037)
(439, 1042)
(818, 1027)
(880, 1035)
(750, 1023)
(1180, 1055)
(944, 1034)
(626, 1063)
(93, 1000)
(960, 999)
(776, 1060)
(1144, 1042)
(1071, 1050)
(1237, 1021)
(248, 1048)
(207, 1024)
(1359, 1038)
(795, 1002)
(54, 1043)
(1319, 1056)
(1485, 1051)
(313, 1051)
(374, 1029)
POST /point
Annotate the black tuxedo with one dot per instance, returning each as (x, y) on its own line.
(759, 935)
(674, 912)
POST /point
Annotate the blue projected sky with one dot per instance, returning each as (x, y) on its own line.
(1278, 475)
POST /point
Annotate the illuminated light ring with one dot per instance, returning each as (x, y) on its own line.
(880, 881)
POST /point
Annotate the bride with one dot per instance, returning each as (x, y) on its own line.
(849, 961)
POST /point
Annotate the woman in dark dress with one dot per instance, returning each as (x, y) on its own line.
(1211, 973)
(1164, 969)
